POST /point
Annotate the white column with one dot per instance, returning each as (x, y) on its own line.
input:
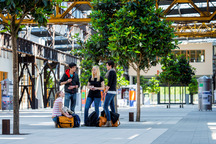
(131, 80)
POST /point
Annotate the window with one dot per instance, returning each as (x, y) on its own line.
(192, 55)
(3, 75)
(200, 56)
(214, 50)
(183, 53)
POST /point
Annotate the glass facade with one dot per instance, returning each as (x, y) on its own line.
(3, 75)
(191, 55)
(176, 94)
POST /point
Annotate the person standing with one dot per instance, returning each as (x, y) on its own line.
(95, 84)
(110, 91)
(71, 81)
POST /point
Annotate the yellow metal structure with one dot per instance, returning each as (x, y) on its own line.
(205, 16)
(59, 18)
(198, 25)
(185, 26)
(191, 26)
(196, 30)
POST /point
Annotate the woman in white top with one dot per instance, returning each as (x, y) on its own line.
(57, 108)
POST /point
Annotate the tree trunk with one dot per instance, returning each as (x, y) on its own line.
(182, 96)
(138, 95)
(169, 94)
(152, 99)
(115, 102)
(115, 98)
(191, 98)
(15, 80)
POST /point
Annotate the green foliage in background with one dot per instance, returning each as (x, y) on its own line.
(139, 37)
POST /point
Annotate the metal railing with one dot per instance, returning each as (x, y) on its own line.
(39, 51)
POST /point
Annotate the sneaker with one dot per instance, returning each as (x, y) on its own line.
(71, 112)
(108, 124)
(83, 125)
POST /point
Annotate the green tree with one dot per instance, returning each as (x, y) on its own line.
(50, 82)
(186, 73)
(102, 15)
(139, 36)
(143, 83)
(86, 64)
(153, 86)
(38, 10)
(193, 87)
(170, 72)
(121, 80)
(95, 48)
(86, 71)
(86, 67)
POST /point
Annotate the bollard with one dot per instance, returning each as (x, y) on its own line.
(131, 116)
(5, 126)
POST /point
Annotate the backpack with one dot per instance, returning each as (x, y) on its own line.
(114, 119)
(103, 113)
(102, 121)
(65, 122)
(76, 120)
(92, 119)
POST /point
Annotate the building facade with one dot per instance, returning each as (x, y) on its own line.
(201, 57)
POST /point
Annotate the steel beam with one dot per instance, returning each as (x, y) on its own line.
(61, 21)
(195, 34)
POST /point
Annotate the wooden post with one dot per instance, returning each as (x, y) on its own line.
(5, 126)
(33, 86)
(45, 87)
(131, 116)
(169, 95)
(58, 77)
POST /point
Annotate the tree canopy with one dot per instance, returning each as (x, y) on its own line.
(18, 10)
(139, 37)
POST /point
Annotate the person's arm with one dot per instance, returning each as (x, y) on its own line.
(107, 88)
(110, 78)
(64, 81)
(110, 81)
(65, 114)
(77, 82)
(88, 85)
(100, 88)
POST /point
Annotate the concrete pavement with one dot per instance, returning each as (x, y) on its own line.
(158, 125)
